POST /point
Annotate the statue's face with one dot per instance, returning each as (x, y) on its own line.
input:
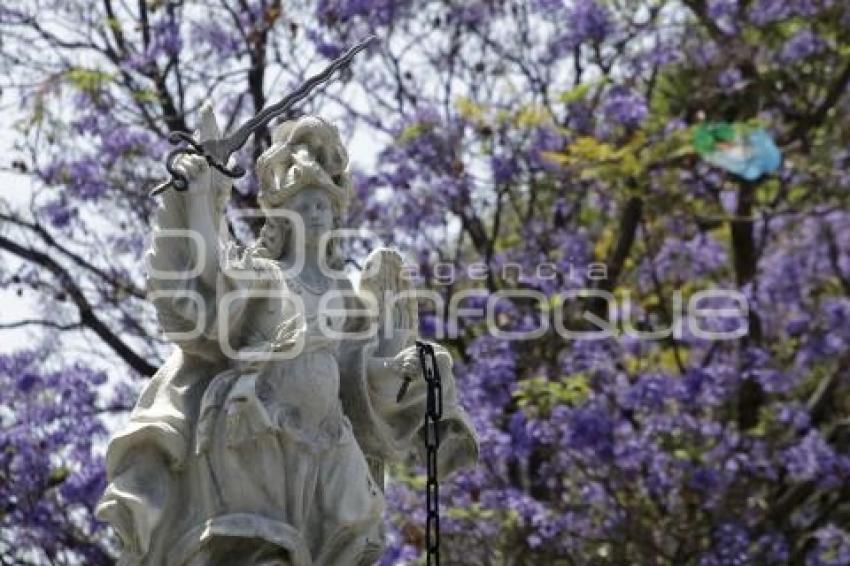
(272, 235)
(314, 206)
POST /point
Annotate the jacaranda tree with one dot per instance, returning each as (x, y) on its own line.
(591, 165)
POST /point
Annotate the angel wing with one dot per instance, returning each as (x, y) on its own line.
(386, 427)
(383, 284)
(384, 281)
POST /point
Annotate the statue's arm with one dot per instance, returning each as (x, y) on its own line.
(386, 427)
(202, 214)
(199, 209)
(184, 259)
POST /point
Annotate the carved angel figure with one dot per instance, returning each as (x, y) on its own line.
(262, 439)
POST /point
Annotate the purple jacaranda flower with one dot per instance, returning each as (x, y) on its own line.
(648, 393)
(724, 13)
(764, 12)
(802, 45)
(119, 143)
(643, 443)
(51, 471)
(730, 545)
(811, 459)
(544, 139)
(705, 479)
(167, 39)
(580, 117)
(86, 178)
(87, 124)
(376, 12)
(59, 213)
(731, 79)
(797, 325)
(793, 415)
(625, 107)
(210, 35)
(591, 429)
(492, 372)
(588, 21)
(26, 381)
(504, 169)
(324, 47)
(710, 385)
(470, 14)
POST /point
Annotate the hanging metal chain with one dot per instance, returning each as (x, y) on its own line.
(433, 414)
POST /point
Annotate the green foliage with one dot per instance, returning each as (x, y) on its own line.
(538, 395)
(89, 81)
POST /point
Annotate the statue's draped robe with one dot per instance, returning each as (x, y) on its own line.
(185, 487)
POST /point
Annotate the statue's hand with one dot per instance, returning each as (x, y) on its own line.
(196, 170)
(287, 334)
(408, 368)
(406, 364)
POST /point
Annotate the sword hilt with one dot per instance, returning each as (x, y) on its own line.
(178, 180)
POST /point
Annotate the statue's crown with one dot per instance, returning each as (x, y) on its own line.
(304, 152)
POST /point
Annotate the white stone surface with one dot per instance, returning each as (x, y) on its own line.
(261, 439)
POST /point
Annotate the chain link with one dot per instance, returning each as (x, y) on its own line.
(433, 414)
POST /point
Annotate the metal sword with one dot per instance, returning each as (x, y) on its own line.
(218, 151)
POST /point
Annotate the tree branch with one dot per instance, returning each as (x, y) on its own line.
(87, 316)
(125, 286)
(39, 322)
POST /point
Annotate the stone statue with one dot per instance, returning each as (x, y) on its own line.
(262, 439)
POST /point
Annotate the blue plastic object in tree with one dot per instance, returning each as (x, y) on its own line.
(750, 155)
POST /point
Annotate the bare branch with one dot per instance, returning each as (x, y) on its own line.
(88, 317)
